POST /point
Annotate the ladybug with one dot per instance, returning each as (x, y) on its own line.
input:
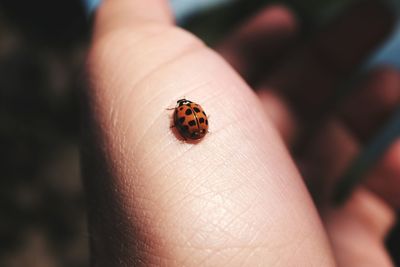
(190, 120)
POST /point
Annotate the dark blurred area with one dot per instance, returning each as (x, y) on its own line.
(42, 46)
(42, 50)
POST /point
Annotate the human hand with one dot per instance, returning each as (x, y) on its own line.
(235, 198)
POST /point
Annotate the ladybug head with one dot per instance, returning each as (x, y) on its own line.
(183, 101)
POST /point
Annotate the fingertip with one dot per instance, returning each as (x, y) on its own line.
(368, 107)
(385, 84)
(113, 15)
(259, 39)
(367, 210)
(273, 16)
(359, 228)
(279, 113)
(385, 178)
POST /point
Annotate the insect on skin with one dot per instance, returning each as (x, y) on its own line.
(190, 120)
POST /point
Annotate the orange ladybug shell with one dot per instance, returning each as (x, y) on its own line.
(190, 119)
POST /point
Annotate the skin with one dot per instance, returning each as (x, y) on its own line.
(237, 198)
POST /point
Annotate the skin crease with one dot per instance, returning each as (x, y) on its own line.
(234, 199)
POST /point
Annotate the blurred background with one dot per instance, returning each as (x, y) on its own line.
(42, 50)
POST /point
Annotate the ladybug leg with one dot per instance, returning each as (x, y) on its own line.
(169, 108)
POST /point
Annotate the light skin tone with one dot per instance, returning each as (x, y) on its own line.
(237, 198)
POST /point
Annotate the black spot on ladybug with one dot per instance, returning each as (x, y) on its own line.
(196, 110)
(192, 123)
(188, 111)
(181, 120)
(180, 108)
(194, 134)
(188, 105)
(186, 128)
(201, 120)
(207, 122)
